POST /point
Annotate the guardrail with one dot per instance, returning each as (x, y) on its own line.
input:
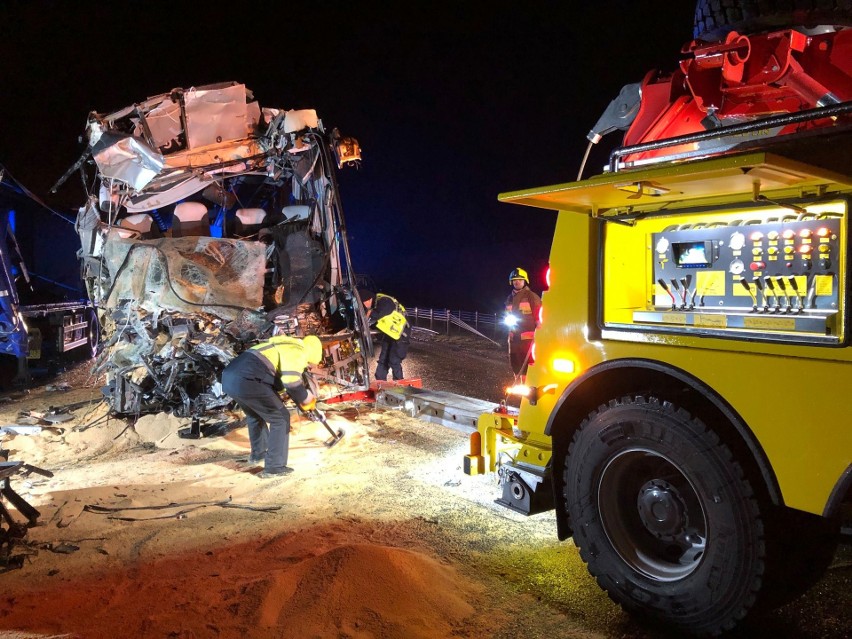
(483, 324)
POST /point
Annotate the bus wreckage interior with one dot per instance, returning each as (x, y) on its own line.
(212, 223)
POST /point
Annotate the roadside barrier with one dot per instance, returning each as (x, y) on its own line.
(445, 319)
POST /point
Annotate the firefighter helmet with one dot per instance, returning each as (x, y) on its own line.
(313, 349)
(519, 274)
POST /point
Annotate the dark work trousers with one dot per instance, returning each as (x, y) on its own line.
(518, 350)
(393, 352)
(249, 381)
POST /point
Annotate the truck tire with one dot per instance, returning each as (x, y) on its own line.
(714, 19)
(663, 516)
(93, 332)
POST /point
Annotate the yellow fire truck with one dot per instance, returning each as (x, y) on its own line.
(685, 412)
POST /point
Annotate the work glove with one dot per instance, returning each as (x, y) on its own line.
(309, 404)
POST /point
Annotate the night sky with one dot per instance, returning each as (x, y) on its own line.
(452, 105)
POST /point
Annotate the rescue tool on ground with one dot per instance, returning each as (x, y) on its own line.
(705, 265)
(316, 415)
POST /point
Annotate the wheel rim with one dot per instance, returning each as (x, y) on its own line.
(94, 335)
(652, 514)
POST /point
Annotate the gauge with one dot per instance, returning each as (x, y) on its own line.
(736, 267)
(662, 245)
(737, 241)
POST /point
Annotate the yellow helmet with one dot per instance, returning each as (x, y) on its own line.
(519, 274)
(313, 349)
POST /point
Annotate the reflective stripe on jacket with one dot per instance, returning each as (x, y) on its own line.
(288, 359)
(524, 304)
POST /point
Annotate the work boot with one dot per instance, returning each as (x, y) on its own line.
(251, 461)
(277, 473)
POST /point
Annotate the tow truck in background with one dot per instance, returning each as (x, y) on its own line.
(685, 413)
(42, 320)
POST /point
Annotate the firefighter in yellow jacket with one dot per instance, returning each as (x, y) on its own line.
(388, 316)
(254, 378)
(522, 308)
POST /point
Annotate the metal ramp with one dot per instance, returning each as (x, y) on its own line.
(439, 407)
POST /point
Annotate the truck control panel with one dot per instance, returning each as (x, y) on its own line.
(774, 277)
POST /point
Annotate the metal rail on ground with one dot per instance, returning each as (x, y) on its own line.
(470, 321)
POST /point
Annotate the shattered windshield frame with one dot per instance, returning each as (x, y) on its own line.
(212, 223)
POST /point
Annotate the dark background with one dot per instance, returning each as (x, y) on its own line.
(452, 103)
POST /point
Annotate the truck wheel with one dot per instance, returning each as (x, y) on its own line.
(93, 332)
(714, 19)
(663, 515)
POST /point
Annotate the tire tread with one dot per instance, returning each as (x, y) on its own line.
(715, 18)
(589, 548)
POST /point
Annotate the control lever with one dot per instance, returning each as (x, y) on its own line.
(811, 303)
(685, 282)
(799, 297)
(676, 288)
(783, 288)
(770, 290)
(758, 284)
(750, 292)
(665, 287)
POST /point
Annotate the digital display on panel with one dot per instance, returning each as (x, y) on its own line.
(693, 254)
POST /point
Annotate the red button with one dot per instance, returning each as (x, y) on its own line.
(757, 266)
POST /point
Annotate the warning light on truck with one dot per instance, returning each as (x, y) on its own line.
(563, 365)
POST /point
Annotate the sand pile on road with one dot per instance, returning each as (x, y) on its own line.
(156, 428)
(366, 591)
(301, 584)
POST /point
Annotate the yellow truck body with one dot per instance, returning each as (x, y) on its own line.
(696, 311)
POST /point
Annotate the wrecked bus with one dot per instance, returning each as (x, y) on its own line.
(210, 223)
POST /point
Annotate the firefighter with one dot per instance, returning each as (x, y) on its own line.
(388, 316)
(254, 379)
(522, 307)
